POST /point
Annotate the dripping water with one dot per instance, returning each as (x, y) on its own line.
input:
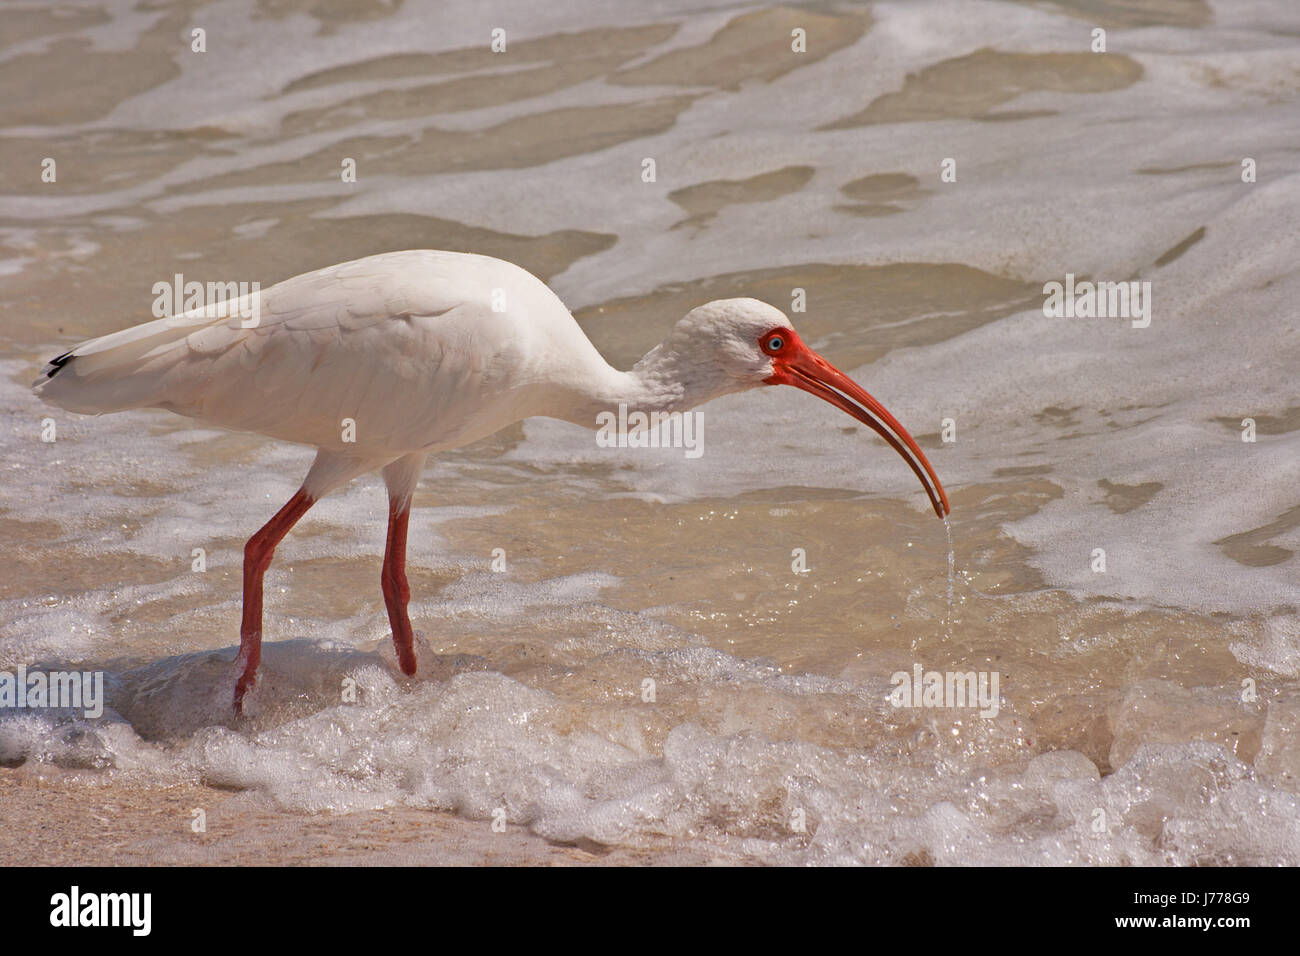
(952, 573)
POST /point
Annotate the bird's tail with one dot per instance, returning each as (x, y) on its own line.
(127, 369)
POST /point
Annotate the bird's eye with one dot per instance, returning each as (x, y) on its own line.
(775, 343)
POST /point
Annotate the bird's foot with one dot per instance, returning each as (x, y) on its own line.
(406, 660)
(247, 664)
(241, 688)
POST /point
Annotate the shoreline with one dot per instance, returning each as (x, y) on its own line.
(59, 819)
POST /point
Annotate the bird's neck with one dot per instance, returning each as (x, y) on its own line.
(665, 380)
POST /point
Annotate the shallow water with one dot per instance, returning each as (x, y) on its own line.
(657, 666)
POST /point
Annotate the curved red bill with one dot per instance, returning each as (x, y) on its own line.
(803, 368)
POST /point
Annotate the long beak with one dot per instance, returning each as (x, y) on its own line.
(805, 369)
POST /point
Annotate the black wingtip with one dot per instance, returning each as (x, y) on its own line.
(56, 364)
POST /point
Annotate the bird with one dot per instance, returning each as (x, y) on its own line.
(419, 352)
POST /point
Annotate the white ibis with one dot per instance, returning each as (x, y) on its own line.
(424, 351)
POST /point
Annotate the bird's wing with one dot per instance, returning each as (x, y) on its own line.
(379, 346)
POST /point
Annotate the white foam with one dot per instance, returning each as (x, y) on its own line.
(485, 745)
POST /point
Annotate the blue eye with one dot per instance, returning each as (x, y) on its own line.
(774, 343)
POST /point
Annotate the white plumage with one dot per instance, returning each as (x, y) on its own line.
(406, 344)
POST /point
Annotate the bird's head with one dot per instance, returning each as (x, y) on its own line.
(752, 343)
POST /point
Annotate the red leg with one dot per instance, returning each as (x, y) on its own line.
(397, 593)
(257, 558)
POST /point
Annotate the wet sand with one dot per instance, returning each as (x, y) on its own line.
(48, 821)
